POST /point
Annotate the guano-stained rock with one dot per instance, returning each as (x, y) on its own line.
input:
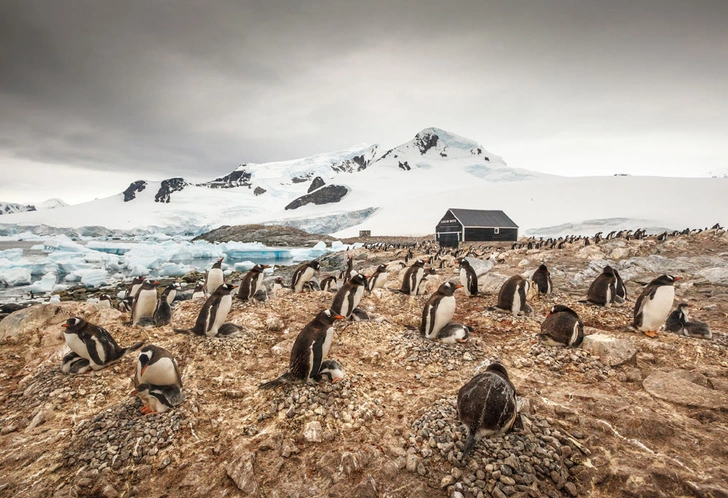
(611, 351)
(241, 470)
(675, 388)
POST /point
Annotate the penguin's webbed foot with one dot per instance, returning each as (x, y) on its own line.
(650, 333)
(145, 409)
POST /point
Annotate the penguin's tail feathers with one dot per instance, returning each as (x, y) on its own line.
(470, 441)
(584, 301)
(276, 382)
(133, 347)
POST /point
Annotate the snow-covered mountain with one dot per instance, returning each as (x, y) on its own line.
(14, 207)
(404, 190)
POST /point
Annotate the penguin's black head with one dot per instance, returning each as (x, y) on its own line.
(419, 262)
(543, 268)
(359, 279)
(73, 324)
(497, 368)
(560, 308)
(608, 270)
(279, 280)
(665, 280)
(138, 280)
(225, 289)
(448, 288)
(104, 297)
(315, 265)
(145, 356)
(218, 263)
(328, 316)
(381, 268)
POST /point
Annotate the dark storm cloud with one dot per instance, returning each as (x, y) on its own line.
(178, 87)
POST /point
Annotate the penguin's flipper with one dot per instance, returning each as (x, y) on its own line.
(133, 347)
(93, 352)
(317, 349)
(213, 313)
(470, 441)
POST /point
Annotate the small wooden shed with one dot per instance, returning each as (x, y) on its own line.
(475, 225)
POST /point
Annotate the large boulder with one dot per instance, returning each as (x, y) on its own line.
(325, 195)
(611, 351)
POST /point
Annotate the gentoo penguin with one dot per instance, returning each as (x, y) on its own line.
(158, 399)
(349, 296)
(513, 294)
(468, 278)
(156, 366)
(170, 293)
(213, 314)
(562, 327)
(199, 292)
(412, 278)
(303, 274)
(454, 332)
(438, 310)
(359, 315)
(678, 322)
(251, 282)
(378, 278)
(277, 286)
(603, 290)
(104, 301)
(93, 343)
(422, 286)
(329, 283)
(487, 404)
(145, 302)
(620, 291)
(73, 363)
(309, 350)
(163, 312)
(133, 288)
(542, 280)
(654, 304)
(349, 272)
(331, 370)
(215, 278)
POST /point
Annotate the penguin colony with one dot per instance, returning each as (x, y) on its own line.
(486, 405)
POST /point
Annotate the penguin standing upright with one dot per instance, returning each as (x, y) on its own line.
(438, 310)
(468, 278)
(251, 282)
(92, 343)
(159, 399)
(309, 350)
(163, 312)
(128, 300)
(215, 277)
(378, 278)
(156, 366)
(304, 273)
(145, 302)
(349, 296)
(542, 279)
(620, 291)
(513, 294)
(603, 290)
(412, 278)
(654, 304)
(349, 271)
(213, 314)
(562, 327)
(487, 404)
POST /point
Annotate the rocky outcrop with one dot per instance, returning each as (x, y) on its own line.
(133, 188)
(11, 207)
(356, 163)
(238, 178)
(168, 186)
(426, 142)
(324, 195)
(404, 166)
(317, 183)
(259, 191)
(269, 235)
(684, 387)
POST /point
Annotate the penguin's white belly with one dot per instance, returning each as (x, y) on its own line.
(104, 304)
(379, 281)
(159, 373)
(257, 283)
(417, 279)
(464, 280)
(306, 275)
(654, 312)
(222, 312)
(357, 297)
(327, 344)
(77, 346)
(516, 306)
(443, 315)
(170, 297)
(145, 305)
(215, 279)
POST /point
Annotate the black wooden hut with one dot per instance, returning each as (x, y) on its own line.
(474, 225)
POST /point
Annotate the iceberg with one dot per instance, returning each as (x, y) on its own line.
(14, 276)
(45, 284)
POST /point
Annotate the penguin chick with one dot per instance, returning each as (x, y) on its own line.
(309, 350)
(562, 327)
(487, 404)
(92, 343)
(331, 370)
(438, 310)
(158, 399)
(73, 363)
(454, 332)
(157, 366)
(678, 321)
(654, 304)
(603, 289)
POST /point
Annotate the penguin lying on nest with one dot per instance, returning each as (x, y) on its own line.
(562, 327)
(92, 347)
(309, 351)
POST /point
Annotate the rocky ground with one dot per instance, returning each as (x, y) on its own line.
(649, 418)
(268, 235)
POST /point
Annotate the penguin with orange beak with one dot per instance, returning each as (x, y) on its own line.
(157, 366)
(438, 310)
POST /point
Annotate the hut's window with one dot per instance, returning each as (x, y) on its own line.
(496, 230)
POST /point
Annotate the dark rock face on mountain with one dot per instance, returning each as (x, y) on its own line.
(270, 235)
(356, 163)
(168, 186)
(426, 142)
(404, 166)
(11, 207)
(302, 178)
(133, 188)
(259, 191)
(317, 183)
(324, 195)
(238, 178)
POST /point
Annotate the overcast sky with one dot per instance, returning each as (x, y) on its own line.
(95, 94)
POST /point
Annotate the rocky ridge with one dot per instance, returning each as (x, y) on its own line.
(592, 427)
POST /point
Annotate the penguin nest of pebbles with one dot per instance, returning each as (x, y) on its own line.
(412, 347)
(119, 436)
(537, 460)
(563, 361)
